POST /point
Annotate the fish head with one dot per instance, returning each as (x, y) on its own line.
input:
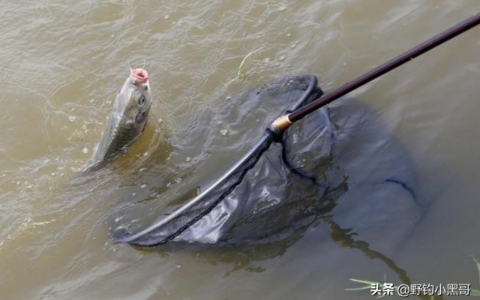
(134, 99)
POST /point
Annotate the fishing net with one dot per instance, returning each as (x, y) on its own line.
(274, 189)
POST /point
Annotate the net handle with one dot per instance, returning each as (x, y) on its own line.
(286, 120)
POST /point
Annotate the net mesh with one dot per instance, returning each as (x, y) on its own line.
(274, 189)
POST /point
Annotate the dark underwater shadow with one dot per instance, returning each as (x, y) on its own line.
(382, 204)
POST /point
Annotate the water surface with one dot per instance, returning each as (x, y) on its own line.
(63, 63)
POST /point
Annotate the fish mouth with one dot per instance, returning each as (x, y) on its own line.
(139, 74)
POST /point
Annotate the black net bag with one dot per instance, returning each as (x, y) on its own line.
(273, 190)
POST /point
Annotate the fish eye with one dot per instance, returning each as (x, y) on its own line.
(141, 100)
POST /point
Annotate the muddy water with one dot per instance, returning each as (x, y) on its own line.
(63, 62)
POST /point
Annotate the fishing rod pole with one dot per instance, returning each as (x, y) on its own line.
(285, 121)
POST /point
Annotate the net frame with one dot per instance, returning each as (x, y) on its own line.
(232, 177)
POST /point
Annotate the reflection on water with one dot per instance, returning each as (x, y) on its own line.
(63, 63)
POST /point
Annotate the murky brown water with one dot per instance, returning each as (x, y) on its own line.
(63, 62)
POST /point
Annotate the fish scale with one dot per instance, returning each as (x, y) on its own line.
(117, 136)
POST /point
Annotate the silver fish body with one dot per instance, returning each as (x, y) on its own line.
(126, 121)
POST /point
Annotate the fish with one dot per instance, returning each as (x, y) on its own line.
(127, 120)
